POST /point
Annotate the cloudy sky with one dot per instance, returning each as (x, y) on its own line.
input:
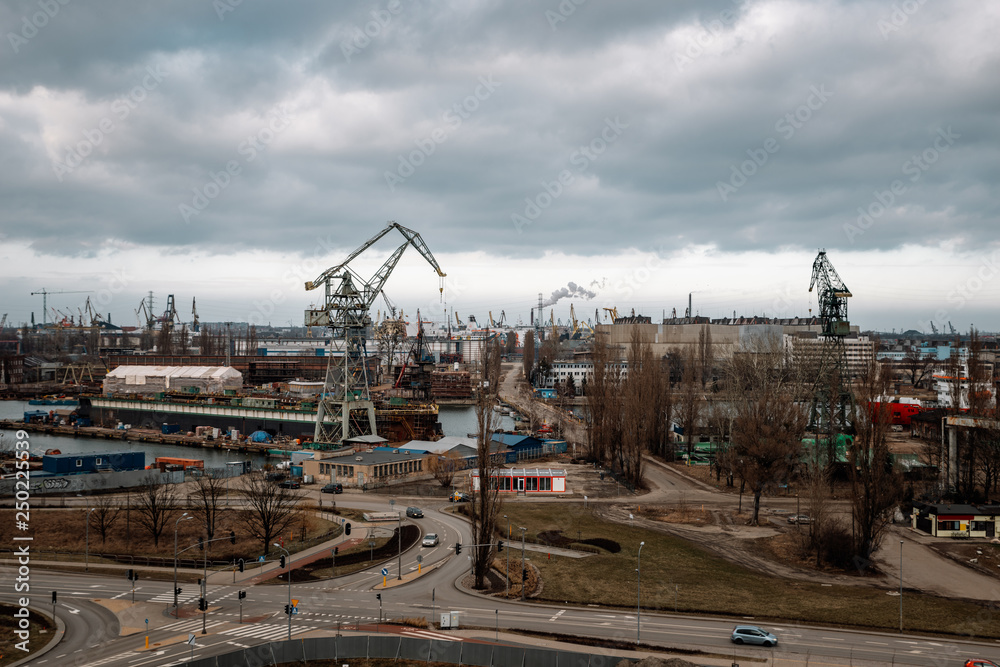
(643, 151)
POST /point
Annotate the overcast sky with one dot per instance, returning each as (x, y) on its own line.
(642, 151)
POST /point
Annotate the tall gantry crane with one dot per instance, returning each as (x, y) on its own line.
(345, 408)
(832, 409)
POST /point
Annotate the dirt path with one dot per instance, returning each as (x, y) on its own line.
(927, 570)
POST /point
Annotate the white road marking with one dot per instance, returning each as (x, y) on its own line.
(557, 615)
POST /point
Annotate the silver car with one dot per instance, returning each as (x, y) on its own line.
(430, 540)
(751, 634)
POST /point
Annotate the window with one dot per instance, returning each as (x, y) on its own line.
(948, 525)
(545, 484)
(98, 461)
(79, 463)
(506, 483)
(531, 483)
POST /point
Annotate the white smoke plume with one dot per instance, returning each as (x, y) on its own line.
(571, 289)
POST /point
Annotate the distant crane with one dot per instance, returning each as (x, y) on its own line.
(613, 312)
(934, 329)
(45, 300)
(346, 409)
(951, 328)
(195, 325)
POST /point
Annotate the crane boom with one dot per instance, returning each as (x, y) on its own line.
(832, 294)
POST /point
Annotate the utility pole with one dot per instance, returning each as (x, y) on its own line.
(524, 578)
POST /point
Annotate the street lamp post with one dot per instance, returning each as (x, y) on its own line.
(507, 593)
(399, 542)
(638, 594)
(86, 553)
(524, 579)
(901, 585)
(182, 517)
(289, 557)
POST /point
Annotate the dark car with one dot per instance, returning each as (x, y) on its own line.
(414, 513)
(333, 487)
(290, 484)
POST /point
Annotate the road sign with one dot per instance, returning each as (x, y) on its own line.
(190, 639)
(260, 559)
(420, 559)
(385, 571)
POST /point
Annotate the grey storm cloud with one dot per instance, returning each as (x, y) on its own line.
(513, 127)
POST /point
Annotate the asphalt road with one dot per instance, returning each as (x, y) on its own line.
(92, 632)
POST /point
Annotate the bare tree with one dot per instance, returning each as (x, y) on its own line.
(270, 508)
(689, 407)
(207, 492)
(444, 468)
(706, 354)
(917, 365)
(154, 505)
(107, 509)
(603, 398)
(769, 422)
(487, 502)
(875, 483)
(528, 358)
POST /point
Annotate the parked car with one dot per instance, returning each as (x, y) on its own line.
(751, 634)
(333, 487)
(980, 662)
(430, 540)
(459, 497)
(290, 484)
(414, 513)
(799, 518)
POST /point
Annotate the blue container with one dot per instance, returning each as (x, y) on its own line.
(168, 429)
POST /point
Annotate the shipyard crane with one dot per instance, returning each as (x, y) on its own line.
(195, 324)
(45, 300)
(346, 409)
(951, 328)
(3, 323)
(934, 329)
(613, 312)
(832, 409)
(832, 296)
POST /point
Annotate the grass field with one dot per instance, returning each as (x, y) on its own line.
(699, 581)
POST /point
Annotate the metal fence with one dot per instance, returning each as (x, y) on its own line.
(402, 648)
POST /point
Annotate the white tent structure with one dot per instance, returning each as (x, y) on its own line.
(153, 379)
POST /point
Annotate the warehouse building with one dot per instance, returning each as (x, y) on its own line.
(149, 380)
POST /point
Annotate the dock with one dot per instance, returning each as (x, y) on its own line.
(139, 435)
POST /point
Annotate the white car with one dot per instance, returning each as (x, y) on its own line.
(430, 540)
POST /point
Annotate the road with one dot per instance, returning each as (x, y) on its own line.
(92, 632)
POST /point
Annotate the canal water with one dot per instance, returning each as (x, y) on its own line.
(455, 420)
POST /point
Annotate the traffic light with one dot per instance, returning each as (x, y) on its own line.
(458, 548)
(177, 591)
(243, 594)
(240, 563)
(347, 529)
(128, 574)
(378, 596)
(202, 604)
(53, 597)
(499, 546)
(288, 609)
(281, 561)
(232, 537)
(336, 550)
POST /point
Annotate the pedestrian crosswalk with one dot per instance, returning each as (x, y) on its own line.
(185, 598)
(266, 631)
(193, 624)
